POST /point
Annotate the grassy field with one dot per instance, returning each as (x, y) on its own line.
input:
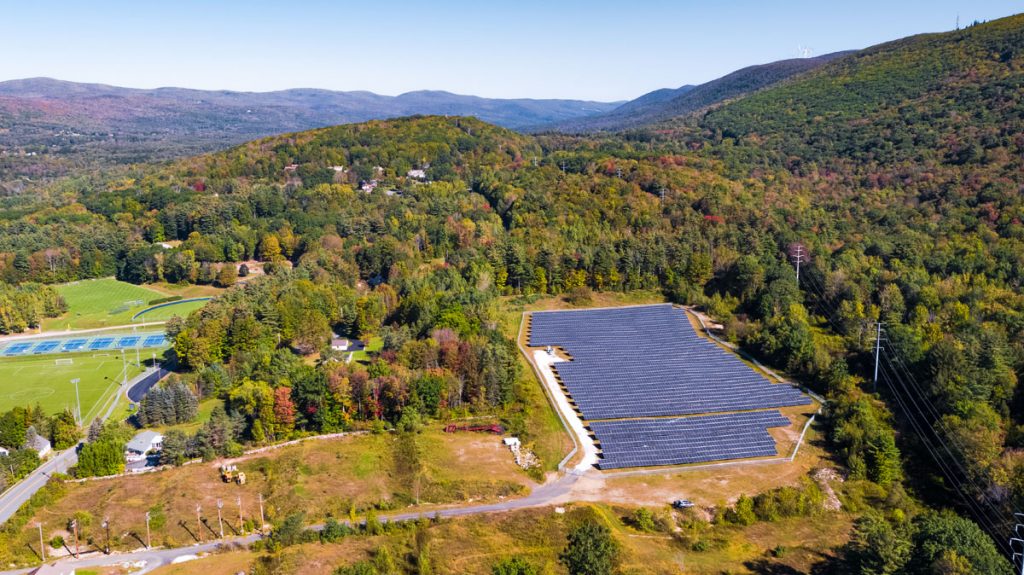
(318, 477)
(169, 310)
(99, 303)
(26, 381)
(471, 545)
(107, 301)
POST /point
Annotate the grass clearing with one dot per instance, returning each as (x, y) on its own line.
(471, 545)
(168, 310)
(39, 379)
(319, 477)
(205, 411)
(373, 346)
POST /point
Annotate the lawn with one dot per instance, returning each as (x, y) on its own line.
(31, 380)
(205, 411)
(107, 302)
(374, 345)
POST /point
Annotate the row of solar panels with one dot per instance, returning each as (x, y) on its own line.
(678, 441)
(73, 344)
(649, 361)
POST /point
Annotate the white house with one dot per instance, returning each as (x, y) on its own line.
(38, 443)
(4, 452)
(144, 442)
(418, 174)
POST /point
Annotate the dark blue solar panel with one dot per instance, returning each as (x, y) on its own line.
(101, 343)
(649, 361)
(154, 341)
(684, 440)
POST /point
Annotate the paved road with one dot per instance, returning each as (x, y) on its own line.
(17, 495)
(547, 494)
(144, 382)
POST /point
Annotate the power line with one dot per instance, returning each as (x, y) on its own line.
(982, 510)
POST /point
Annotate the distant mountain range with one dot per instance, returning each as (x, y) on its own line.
(666, 103)
(51, 127)
(94, 121)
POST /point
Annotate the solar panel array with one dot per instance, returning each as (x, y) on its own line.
(649, 362)
(79, 344)
(696, 439)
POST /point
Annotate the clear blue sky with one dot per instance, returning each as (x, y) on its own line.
(597, 49)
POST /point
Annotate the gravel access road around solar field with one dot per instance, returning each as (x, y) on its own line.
(544, 363)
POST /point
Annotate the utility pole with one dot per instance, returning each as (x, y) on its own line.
(74, 530)
(42, 548)
(878, 351)
(220, 520)
(199, 522)
(240, 522)
(148, 543)
(1017, 544)
(78, 399)
(262, 521)
(799, 257)
(106, 528)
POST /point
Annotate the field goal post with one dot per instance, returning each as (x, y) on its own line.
(64, 361)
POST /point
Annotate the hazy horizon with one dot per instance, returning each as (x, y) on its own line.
(573, 50)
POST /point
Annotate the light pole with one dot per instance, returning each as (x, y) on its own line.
(78, 400)
(199, 523)
(124, 369)
(240, 522)
(42, 548)
(148, 544)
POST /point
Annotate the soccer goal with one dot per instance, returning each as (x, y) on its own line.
(64, 361)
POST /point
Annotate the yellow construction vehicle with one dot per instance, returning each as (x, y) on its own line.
(231, 474)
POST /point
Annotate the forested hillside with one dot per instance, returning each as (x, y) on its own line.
(895, 176)
(51, 128)
(665, 104)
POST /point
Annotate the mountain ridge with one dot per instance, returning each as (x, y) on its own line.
(668, 103)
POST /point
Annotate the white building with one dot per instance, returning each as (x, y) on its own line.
(418, 174)
(37, 442)
(143, 443)
(4, 452)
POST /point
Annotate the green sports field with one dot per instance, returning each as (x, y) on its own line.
(100, 303)
(108, 302)
(31, 380)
